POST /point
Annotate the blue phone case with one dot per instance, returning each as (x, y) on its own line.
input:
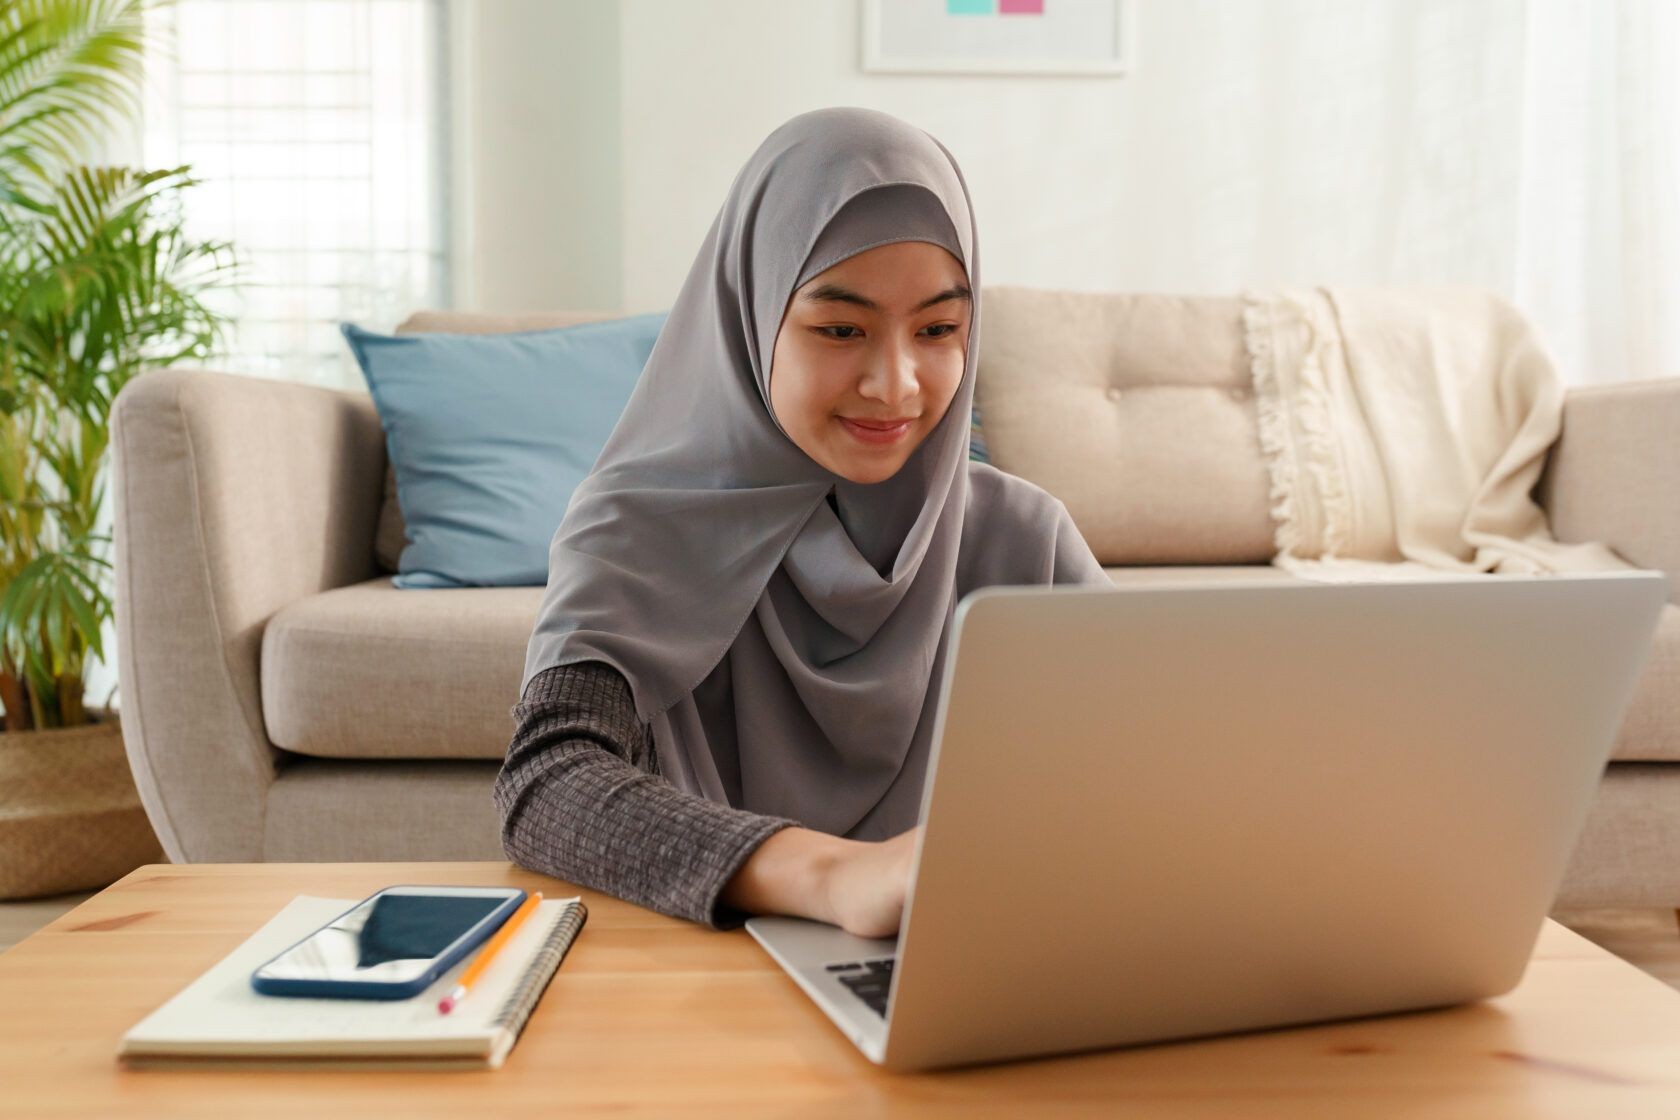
(372, 989)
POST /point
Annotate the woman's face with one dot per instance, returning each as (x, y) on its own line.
(869, 354)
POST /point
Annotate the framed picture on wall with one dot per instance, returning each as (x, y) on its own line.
(997, 36)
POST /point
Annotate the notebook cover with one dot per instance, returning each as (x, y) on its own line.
(219, 1021)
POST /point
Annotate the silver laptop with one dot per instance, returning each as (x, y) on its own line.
(1161, 812)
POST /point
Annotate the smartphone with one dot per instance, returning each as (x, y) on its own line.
(390, 945)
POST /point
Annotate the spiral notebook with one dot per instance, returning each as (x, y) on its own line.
(219, 1020)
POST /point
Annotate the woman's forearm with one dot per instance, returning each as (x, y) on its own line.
(575, 806)
(789, 873)
(579, 801)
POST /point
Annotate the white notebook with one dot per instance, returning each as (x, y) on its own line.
(220, 1020)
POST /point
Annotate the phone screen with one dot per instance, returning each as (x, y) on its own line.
(388, 938)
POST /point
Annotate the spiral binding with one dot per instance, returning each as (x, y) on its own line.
(517, 1007)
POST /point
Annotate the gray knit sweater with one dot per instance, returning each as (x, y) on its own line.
(581, 799)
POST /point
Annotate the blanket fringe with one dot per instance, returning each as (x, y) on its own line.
(1318, 423)
(1309, 409)
(1257, 319)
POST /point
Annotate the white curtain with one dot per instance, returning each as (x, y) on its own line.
(1528, 146)
(1598, 235)
(320, 130)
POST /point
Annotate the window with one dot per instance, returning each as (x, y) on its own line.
(319, 129)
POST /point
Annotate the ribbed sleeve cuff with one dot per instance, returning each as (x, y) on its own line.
(718, 914)
(580, 800)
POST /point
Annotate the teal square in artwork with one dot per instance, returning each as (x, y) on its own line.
(969, 7)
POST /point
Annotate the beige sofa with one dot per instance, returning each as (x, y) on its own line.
(281, 701)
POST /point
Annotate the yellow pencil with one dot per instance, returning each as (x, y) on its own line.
(491, 947)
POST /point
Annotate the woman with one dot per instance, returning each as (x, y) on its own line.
(730, 688)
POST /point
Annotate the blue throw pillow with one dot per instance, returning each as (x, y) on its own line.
(489, 434)
(977, 449)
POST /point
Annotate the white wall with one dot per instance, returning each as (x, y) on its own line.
(1251, 143)
(1510, 144)
(1286, 141)
(538, 164)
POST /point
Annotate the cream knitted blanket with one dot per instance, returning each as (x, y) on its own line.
(1405, 430)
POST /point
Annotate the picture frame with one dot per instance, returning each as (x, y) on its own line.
(998, 37)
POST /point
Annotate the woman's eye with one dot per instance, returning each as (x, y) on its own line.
(943, 330)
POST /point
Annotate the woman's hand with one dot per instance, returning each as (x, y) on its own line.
(866, 888)
(858, 885)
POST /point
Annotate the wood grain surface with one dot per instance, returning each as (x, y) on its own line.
(650, 1016)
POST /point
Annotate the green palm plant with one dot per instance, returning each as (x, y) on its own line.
(98, 283)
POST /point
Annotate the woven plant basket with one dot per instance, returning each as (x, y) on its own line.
(70, 817)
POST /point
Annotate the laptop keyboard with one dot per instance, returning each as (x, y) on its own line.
(868, 980)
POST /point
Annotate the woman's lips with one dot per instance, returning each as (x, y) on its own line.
(877, 433)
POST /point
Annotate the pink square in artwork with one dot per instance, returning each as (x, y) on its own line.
(1021, 7)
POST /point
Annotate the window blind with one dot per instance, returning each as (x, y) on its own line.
(319, 129)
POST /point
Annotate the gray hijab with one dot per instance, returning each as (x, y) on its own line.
(786, 653)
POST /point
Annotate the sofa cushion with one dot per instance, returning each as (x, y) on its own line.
(392, 533)
(1137, 411)
(1650, 731)
(375, 671)
(484, 473)
(370, 671)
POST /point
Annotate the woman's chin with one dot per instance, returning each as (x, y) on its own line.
(866, 469)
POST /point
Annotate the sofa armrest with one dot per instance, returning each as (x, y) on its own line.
(1614, 474)
(233, 496)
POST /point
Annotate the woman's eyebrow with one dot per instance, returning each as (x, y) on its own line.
(842, 294)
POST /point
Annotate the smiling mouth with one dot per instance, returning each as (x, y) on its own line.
(879, 424)
(878, 431)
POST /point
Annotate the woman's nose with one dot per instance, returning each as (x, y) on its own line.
(893, 377)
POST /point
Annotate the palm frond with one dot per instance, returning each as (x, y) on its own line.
(66, 65)
(98, 283)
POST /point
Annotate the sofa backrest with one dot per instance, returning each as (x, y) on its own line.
(1136, 410)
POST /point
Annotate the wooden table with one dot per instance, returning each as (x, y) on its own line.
(652, 1016)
